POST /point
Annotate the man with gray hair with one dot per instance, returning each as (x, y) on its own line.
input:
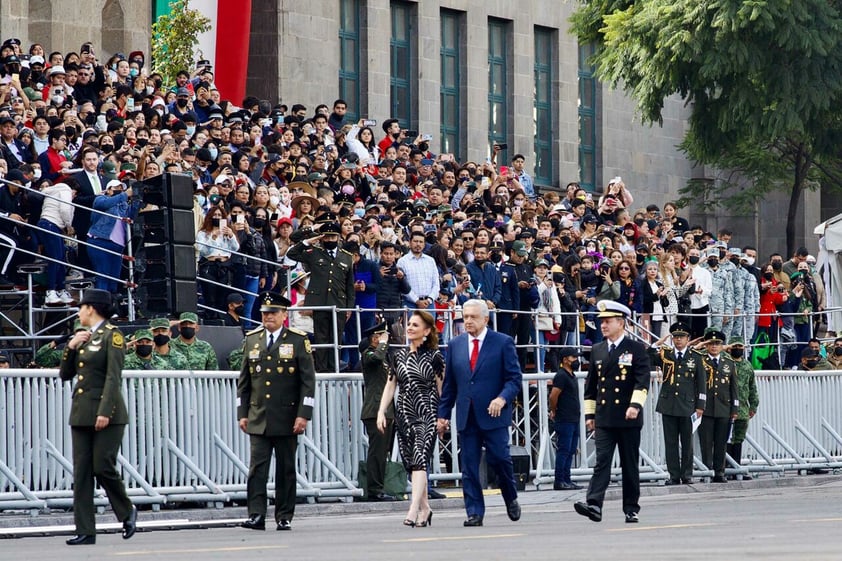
(483, 379)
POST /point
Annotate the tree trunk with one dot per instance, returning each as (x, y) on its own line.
(802, 163)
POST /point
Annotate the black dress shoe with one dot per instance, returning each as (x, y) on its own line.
(719, 479)
(382, 498)
(591, 511)
(686, 481)
(130, 524)
(255, 522)
(631, 518)
(513, 510)
(671, 482)
(81, 540)
(283, 525)
(747, 477)
(566, 487)
(473, 520)
(433, 494)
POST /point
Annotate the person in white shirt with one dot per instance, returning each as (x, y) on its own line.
(702, 284)
(56, 219)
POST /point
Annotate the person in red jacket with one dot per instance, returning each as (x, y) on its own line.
(772, 295)
(394, 135)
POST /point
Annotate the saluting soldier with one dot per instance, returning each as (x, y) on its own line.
(160, 328)
(144, 356)
(615, 393)
(682, 393)
(199, 354)
(98, 416)
(275, 398)
(374, 349)
(49, 355)
(721, 406)
(749, 400)
(331, 284)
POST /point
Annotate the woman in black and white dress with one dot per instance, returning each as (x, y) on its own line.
(418, 370)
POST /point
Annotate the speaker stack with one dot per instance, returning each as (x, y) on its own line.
(169, 235)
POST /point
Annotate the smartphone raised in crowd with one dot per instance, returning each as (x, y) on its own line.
(223, 223)
(370, 123)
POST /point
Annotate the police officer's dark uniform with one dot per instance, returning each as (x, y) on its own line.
(375, 376)
(97, 365)
(276, 387)
(682, 393)
(723, 403)
(331, 284)
(618, 379)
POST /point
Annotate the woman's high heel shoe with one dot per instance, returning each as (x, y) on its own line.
(427, 522)
(408, 522)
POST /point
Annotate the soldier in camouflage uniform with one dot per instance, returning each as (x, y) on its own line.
(731, 263)
(747, 390)
(49, 355)
(235, 359)
(722, 295)
(200, 354)
(746, 325)
(144, 356)
(160, 328)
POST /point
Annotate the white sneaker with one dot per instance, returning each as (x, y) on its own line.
(53, 299)
(66, 298)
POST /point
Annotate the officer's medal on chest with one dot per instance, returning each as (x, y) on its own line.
(625, 359)
(285, 351)
(254, 353)
(691, 363)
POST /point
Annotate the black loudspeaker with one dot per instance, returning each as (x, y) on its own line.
(171, 296)
(175, 261)
(173, 190)
(520, 466)
(169, 226)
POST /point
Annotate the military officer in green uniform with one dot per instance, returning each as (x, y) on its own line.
(160, 328)
(331, 284)
(49, 355)
(722, 403)
(200, 354)
(98, 416)
(749, 400)
(275, 398)
(682, 394)
(144, 356)
(374, 350)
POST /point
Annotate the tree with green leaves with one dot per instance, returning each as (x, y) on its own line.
(762, 80)
(174, 38)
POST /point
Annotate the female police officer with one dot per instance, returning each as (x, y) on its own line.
(98, 416)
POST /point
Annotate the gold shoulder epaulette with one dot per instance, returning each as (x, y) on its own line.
(296, 331)
(344, 251)
(255, 330)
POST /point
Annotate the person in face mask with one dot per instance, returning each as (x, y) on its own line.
(777, 262)
(235, 311)
(811, 360)
(721, 302)
(834, 353)
(144, 356)
(160, 328)
(749, 400)
(200, 354)
(565, 411)
(699, 286)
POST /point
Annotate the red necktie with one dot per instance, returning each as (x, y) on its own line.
(474, 354)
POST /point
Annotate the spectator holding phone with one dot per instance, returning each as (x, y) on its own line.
(772, 295)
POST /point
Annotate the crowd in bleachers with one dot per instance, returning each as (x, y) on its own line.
(265, 175)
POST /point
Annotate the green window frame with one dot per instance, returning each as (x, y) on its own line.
(402, 67)
(452, 60)
(588, 107)
(350, 89)
(543, 113)
(499, 69)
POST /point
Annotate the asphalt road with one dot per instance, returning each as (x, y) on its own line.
(785, 523)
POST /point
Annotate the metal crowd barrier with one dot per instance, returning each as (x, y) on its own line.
(183, 443)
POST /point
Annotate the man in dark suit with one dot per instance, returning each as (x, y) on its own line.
(13, 150)
(483, 379)
(615, 392)
(91, 184)
(722, 406)
(682, 394)
(331, 284)
(374, 349)
(275, 398)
